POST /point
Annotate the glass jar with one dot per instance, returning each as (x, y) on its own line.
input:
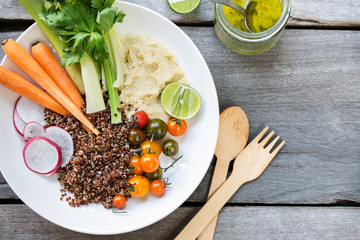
(249, 43)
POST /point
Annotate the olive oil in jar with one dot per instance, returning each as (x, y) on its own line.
(265, 14)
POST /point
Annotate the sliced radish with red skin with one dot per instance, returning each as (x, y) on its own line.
(30, 111)
(19, 124)
(51, 174)
(64, 140)
(33, 129)
(41, 155)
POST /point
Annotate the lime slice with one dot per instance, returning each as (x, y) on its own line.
(180, 101)
(183, 6)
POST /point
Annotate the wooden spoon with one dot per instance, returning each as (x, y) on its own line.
(233, 136)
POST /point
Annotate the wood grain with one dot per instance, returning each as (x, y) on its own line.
(234, 223)
(312, 105)
(2, 180)
(336, 13)
(307, 89)
(7, 193)
(325, 13)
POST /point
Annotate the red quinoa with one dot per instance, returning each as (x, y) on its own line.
(98, 169)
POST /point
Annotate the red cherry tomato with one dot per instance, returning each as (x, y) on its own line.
(135, 161)
(176, 127)
(149, 163)
(142, 118)
(158, 187)
(140, 186)
(119, 201)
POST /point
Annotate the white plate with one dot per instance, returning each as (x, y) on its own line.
(42, 194)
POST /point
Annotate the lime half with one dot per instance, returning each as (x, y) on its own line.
(180, 101)
(183, 6)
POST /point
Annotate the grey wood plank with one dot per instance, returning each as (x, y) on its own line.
(304, 12)
(6, 35)
(320, 13)
(234, 223)
(2, 180)
(310, 99)
(6, 192)
(307, 89)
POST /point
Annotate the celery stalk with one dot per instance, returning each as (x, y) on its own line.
(33, 7)
(94, 98)
(103, 79)
(114, 100)
(116, 50)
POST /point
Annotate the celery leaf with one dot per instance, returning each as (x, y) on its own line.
(101, 4)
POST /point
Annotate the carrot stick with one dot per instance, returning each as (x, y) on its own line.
(21, 86)
(23, 59)
(47, 60)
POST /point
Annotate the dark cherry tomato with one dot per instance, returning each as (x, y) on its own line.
(135, 161)
(170, 147)
(119, 201)
(140, 186)
(136, 136)
(141, 118)
(155, 175)
(176, 127)
(149, 146)
(149, 163)
(156, 129)
(158, 187)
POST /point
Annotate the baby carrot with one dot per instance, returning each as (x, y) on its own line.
(21, 86)
(47, 60)
(23, 59)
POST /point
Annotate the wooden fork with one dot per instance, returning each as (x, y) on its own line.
(248, 166)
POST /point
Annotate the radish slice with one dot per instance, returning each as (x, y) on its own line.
(19, 124)
(52, 174)
(64, 140)
(30, 111)
(33, 129)
(41, 155)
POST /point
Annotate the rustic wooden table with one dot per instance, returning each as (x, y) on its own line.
(307, 88)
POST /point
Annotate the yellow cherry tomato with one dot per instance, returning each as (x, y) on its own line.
(139, 186)
(149, 146)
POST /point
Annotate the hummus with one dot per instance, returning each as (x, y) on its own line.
(149, 68)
